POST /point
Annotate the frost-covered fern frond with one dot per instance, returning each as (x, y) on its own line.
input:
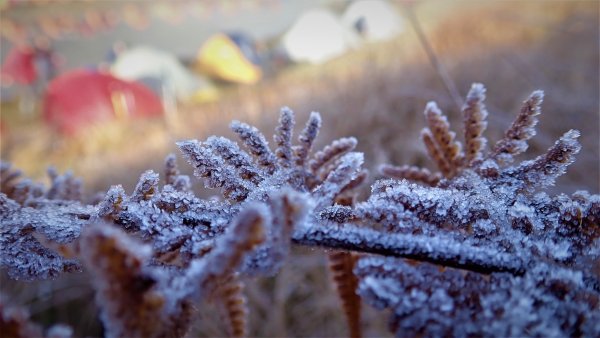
(328, 177)
(522, 129)
(32, 215)
(128, 290)
(443, 148)
(141, 299)
(342, 264)
(25, 229)
(244, 176)
(248, 175)
(428, 300)
(179, 225)
(26, 192)
(230, 297)
(479, 249)
(486, 219)
(192, 246)
(41, 228)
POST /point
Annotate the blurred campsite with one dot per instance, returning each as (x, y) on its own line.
(106, 88)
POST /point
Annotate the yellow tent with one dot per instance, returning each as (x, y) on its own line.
(228, 58)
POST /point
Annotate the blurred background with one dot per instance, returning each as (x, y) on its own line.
(105, 88)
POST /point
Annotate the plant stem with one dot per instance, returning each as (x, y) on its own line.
(433, 59)
(421, 248)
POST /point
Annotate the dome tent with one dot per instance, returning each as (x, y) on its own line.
(19, 66)
(317, 36)
(144, 63)
(230, 57)
(81, 98)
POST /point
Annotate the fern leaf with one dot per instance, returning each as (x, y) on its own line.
(230, 295)
(475, 113)
(243, 235)
(544, 170)
(283, 137)
(237, 158)
(112, 202)
(306, 138)
(171, 170)
(344, 174)
(256, 144)
(212, 166)
(439, 129)
(146, 186)
(9, 177)
(435, 153)
(412, 173)
(331, 152)
(129, 293)
(522, 129)
(341, 265)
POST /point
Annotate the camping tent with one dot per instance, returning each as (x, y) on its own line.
(153, 65)
(318, 36)
(19, 66)
(81, 98)
(230, 57)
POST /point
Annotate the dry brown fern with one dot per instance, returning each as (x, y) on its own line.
(342, 264)
(230, 297)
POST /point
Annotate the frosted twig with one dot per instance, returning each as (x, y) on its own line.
(422, 248)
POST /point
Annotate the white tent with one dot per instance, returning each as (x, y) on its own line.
(317, 36)
(149, 64)
(376, 20)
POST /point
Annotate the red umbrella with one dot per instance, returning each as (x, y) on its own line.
(81, 98)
